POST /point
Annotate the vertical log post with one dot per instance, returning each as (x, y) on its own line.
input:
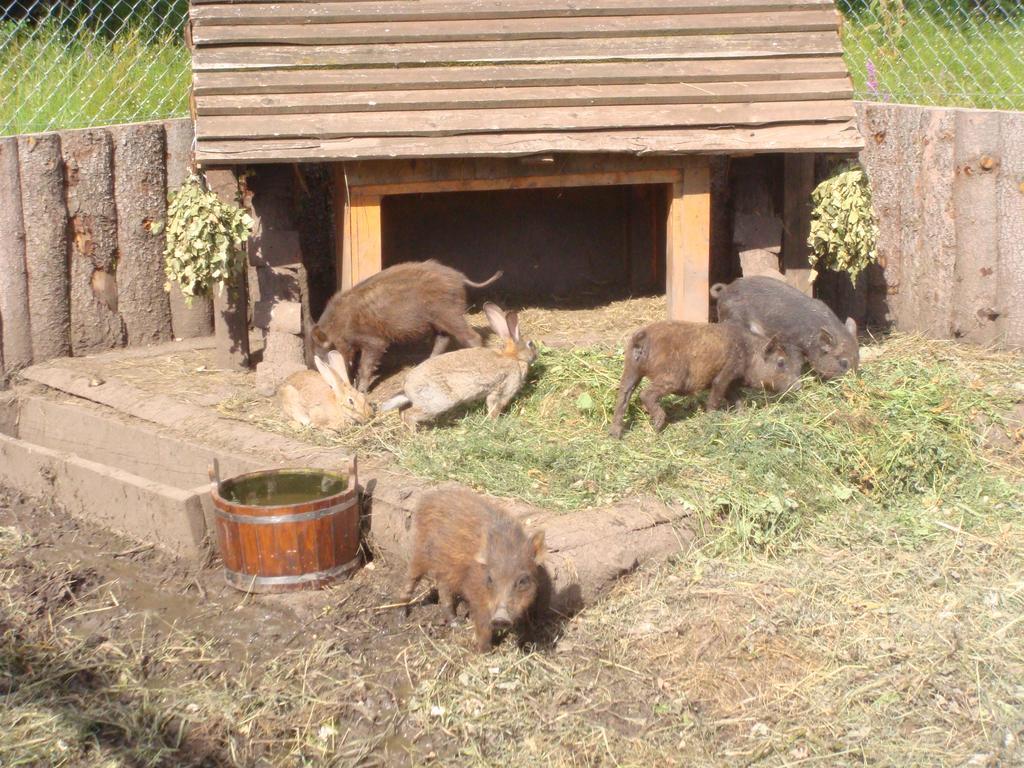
(140, 192)
(798, 184)
(93, 248)
(46, 245)
(1010, 199)
(975, 195)
(688, 243)
(14, 314)
(231, 305)
(357, 232)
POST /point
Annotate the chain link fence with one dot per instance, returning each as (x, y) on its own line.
(73, 64)
(962, 53)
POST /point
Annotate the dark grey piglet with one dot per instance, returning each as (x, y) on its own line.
(798, 321)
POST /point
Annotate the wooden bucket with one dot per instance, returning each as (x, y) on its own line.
(286, 529)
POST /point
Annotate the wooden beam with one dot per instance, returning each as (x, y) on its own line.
(526, 97)
(541, 181)
(688, 244)
(474, 30)
(840, 136)
(364, 218)
(798, 183)
(378, 173)
(578, 121)
(643, 48)
(207, 12)
(580, 74)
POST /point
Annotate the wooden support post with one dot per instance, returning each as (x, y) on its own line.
(364, 236)
(357, 232)
(798, 183)
(230, 306)
(688, 243)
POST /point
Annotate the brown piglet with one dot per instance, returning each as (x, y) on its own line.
(686, 358)
(473, 550)
(401, 303)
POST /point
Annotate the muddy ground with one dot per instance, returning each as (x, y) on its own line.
(69, 560)
(66, 575)
(871, 654)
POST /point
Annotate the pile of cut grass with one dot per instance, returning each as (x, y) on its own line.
(901, 434)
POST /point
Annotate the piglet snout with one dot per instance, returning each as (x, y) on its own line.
(501, 619)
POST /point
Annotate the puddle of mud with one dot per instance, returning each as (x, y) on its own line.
(122, 587)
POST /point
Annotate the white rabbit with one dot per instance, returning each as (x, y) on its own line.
(445, 382)
(324, 398)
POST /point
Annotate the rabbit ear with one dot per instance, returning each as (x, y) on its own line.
(328, 375)
(512, 323)
(337, 364)
(496, 317)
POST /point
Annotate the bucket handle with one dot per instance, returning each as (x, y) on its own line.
(214, 472)
(353, 480)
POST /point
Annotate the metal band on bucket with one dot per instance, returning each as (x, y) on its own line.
(247, 581)
(315, 514)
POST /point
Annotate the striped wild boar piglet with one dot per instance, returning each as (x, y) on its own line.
(798, 321)
(686, 358)
(402, 303)
(473, 550)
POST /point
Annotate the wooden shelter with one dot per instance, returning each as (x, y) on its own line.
(406, 96)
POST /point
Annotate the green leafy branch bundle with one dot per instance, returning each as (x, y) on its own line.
(843, 229)
(205, 240)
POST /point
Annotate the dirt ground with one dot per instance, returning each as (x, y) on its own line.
(111, 655)
(66, 576)
(191, 376)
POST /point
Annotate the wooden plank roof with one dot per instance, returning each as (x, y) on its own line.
(370, 79)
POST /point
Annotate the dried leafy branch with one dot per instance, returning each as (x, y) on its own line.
(206, 240)
(843, 229)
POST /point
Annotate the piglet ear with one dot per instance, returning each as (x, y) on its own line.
(481, 554)
(774, 346)
(537, 545)
(851, 326)
(826, 339)
(319, 336)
